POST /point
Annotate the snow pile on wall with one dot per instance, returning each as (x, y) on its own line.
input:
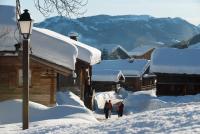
(68, 98)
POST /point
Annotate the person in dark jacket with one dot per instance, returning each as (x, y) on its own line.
(109, 108)
(106, 109)
(120, 109)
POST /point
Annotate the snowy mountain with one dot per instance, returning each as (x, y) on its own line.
(129, 31)
(192, 42)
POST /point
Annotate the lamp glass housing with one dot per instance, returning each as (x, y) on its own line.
(25, 24)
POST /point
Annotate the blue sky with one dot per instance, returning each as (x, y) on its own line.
(186, 9)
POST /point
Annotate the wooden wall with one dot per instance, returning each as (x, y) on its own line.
(104, 86)
(43, 81)
(82, 86)
(174, 84)
(132, 83)
(148, 83)
(137, 84)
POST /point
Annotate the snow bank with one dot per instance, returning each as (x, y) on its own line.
(143, 101)
(102, 97)
(68, 98)
(71, 108)
(157, 115)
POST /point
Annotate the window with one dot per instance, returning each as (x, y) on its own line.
(20, 78)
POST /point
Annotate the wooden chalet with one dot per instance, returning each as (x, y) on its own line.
(49, 56)
(136, 73)
(107, 80)
(141, 52)
(177, 70)
(81, 85)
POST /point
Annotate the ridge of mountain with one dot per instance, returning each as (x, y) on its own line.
(129, 31)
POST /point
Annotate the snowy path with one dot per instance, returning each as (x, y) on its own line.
(148, 115)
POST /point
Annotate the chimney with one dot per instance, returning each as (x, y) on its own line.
(73, 36)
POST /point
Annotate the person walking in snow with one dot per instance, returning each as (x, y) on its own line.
(120, 109)
(106, 109)
(109, 108)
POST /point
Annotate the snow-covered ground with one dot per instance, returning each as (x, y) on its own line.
(144, 113)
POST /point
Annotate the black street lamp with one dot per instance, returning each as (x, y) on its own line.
(25, 27)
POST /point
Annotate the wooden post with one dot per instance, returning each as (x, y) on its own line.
(81, 86)
(52, 90)
(25, 65)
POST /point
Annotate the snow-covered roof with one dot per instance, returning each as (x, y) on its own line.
(52, 48)
(138, 51)
(86, 53)
(136, 67)
(44, 46)
(107, 75)
(8, 28)
(175, 61)
(120, 47)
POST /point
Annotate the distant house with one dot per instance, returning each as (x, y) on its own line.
(177, 70)
(119, 53)
(107, 80)
(143, 52)
(136, 73)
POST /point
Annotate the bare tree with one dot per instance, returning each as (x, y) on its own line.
(62, 7)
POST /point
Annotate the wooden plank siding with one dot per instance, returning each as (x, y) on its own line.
(43, 81)
(82, 86)
(132, 83)
(177, 84)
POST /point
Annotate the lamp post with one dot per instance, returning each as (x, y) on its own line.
(25, 26)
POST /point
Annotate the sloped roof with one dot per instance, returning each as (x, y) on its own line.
(175, 61)
(136, 67)
(107, 75)
(118, 47)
